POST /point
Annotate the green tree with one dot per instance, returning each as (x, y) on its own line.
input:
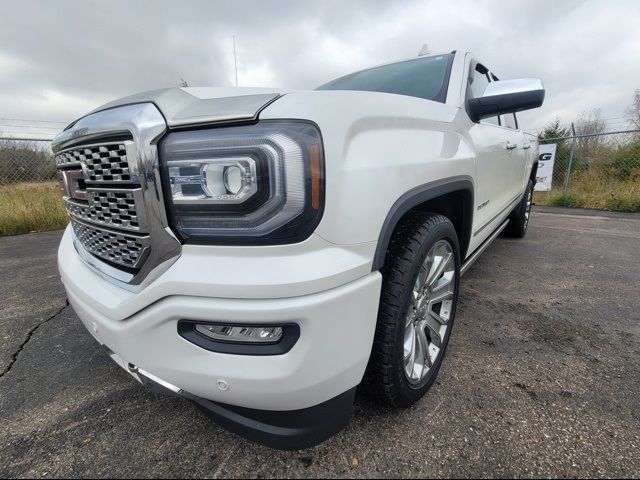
(560, 134)
(625, 162)
(555, 130)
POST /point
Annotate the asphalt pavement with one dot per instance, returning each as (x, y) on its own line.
(542, 378)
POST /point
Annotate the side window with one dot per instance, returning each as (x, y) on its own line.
(478, 81)
(509, 121)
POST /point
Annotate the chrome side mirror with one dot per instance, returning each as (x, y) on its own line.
(507, 96)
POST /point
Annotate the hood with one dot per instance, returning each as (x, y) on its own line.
(201, 105)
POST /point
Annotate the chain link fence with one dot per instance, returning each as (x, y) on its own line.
(592, 171)
(30, 199)
(26, 160)
(596, 171)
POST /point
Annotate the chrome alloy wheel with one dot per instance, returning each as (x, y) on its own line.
(428, 317)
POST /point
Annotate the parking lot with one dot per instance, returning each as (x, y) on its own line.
(542, 377)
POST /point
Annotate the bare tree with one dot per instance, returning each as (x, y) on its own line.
(25, 160)
(633, 112)
(589, 123)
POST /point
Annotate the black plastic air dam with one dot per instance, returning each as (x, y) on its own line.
(289, 430)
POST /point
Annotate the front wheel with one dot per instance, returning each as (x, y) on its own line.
(417, 308)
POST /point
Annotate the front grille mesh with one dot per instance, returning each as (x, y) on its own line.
(106, 203)
(119, 248)
(115, 208)
(68, 158)
(108, 162)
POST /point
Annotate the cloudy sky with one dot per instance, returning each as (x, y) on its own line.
(59, 59)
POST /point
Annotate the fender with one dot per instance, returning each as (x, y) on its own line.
(422, 194)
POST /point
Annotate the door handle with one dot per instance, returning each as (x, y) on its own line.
(511, 146)
(526, 147)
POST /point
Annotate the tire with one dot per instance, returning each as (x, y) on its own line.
(391, 377)
(519, 218)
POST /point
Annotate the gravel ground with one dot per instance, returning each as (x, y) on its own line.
(542, 378)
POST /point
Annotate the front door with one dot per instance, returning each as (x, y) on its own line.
(499, 158)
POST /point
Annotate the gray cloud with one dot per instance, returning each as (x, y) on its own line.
(61, 59)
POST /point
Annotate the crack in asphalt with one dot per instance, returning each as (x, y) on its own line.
(226, 459)
(30, 333)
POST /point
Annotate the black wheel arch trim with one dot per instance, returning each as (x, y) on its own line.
(422, 194)
(533, 174)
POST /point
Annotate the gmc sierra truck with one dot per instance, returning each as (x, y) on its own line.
(263, 252)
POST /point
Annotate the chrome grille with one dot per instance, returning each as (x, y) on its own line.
(107, 162)
(104, 202)
(127, 250)
(71, 157)
(114, 208)
(109, 172)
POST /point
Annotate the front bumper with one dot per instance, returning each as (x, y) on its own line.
(329, 359)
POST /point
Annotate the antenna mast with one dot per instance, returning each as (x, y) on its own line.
(424, 51)
(235, 63)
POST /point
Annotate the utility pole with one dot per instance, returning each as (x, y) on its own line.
(235, 63)
(565, 187)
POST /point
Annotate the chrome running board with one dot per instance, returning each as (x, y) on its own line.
(476, 254)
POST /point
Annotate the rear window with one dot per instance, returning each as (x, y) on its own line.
(424, 77)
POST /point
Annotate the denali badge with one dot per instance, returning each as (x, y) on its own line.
(483, 204)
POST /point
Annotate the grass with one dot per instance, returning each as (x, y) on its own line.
(596, 190)
(31, 207)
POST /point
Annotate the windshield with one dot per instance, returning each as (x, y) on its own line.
(423, 77)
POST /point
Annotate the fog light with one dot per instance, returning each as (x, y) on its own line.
(241, 334)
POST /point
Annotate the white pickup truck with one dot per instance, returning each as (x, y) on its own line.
(263, 252)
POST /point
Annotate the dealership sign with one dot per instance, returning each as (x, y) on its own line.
(547, 155)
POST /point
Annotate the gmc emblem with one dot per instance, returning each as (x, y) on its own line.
(72, 184)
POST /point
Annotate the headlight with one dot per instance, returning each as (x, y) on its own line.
(261, 183)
